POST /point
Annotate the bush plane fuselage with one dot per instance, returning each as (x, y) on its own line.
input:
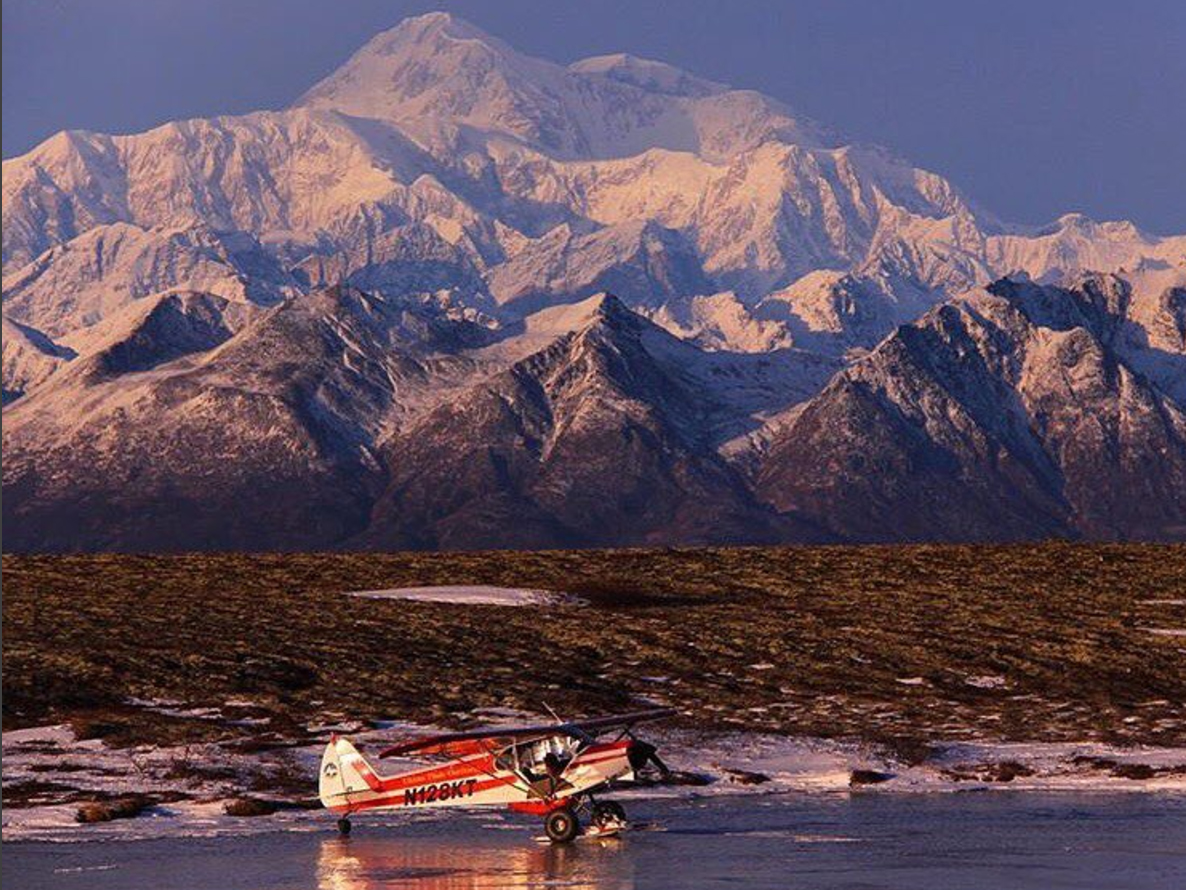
(537, 769)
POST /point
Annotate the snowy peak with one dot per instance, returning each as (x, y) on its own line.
(647, 74)
(435, 73)
(1080, 224)
(562, 334)
(438, 68)
(430, 30)
(721, 322)
(110, 266)
(403, 52)
(601, 307)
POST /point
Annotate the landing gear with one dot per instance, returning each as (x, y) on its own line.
(561, 826)
(608, 814)
(344, 826)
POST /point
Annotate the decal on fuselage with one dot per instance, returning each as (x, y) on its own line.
(443, 791)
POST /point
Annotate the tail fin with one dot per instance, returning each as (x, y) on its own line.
(344, 771)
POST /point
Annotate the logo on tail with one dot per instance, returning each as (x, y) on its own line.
(344, 771)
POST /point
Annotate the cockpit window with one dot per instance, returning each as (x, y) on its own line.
(549, 755)
(556, 749)
(506, 759)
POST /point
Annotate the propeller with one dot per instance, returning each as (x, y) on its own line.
(643, 753)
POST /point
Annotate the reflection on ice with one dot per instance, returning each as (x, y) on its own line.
(371, 863)
(805, 841)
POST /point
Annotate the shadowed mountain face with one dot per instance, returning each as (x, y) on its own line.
(341, 419)
(344, 419)
(598, 439)
(377, 319)
(1016, 412)
(260, 440)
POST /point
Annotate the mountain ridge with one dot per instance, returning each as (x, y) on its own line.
(423, 241)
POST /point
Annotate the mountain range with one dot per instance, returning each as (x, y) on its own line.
(458, 297)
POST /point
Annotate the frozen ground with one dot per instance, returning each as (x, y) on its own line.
(47, 774)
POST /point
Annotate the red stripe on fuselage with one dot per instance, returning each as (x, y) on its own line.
(462, 769)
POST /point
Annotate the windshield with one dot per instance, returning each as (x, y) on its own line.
(543, 755)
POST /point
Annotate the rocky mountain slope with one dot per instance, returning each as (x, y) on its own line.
(341, 418)
(376, 318)
(603, 437)
(29, 358)
(1014, 412)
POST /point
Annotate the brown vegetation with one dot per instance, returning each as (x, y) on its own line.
(249, 806)
(884, 643)
(127, 806)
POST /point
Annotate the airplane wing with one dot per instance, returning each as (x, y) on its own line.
(623, 721)
(459, 744)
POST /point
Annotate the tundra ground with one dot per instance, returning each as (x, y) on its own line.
(898, 645)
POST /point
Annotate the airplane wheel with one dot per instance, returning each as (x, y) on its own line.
(608, 812)
(344, 826)
(561, 826)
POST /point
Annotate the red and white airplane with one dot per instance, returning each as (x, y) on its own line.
(549, 770)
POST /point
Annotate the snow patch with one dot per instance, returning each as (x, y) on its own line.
(470, 595)
(712, 763)
(987, 682)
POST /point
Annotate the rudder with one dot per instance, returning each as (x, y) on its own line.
(344, 772)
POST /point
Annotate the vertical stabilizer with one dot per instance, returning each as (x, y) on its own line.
(344, 773)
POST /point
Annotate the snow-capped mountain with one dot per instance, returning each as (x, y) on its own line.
(1017, 411)
(383, 421)
(416, 252)
(194, 423)
(605, 436)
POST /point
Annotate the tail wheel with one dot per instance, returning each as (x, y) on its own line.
(561, 826)
(344, 826)
(608, 813)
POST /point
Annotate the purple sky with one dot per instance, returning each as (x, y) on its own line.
(1033, 107)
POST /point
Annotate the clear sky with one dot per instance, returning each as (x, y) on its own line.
(1033, 107)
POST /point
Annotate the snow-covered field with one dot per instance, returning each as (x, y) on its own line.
(203, 778)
